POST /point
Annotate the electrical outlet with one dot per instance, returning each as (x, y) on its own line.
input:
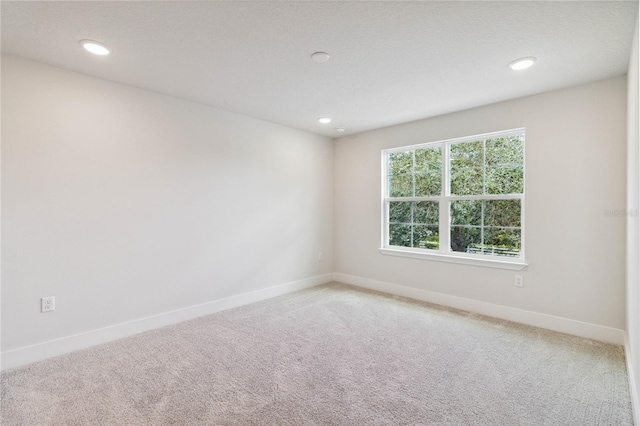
(320, 257)
(48, 304)
(519, 281)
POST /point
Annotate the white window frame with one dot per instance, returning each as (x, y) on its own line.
(444, 253)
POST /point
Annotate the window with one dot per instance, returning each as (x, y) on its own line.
(461, 198)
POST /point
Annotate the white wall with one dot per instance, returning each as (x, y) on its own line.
(633, 225)
(124, 203)
(575, 170)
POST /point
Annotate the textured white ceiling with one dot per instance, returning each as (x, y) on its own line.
(391, 62)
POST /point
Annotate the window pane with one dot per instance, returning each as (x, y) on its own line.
(502, 213)
(466, 213)
(507, 150)
(466, 182)
(400, 212)
(478, 169)
(502, 242)
(400, 162)
(401, 186)
(464, 239)
(400, 235)
(428, 184)
(426, 237)
(429, 160)
(465, 155)
(505, 180)
(426, 212)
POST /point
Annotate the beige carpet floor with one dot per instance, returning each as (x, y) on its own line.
(329, 355)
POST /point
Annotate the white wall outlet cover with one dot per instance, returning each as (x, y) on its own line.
(48, 304)
(519, 282)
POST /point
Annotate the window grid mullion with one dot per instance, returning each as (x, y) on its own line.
(413, 183)
(445, 246)
(482, 226)
(484, 167)
(387, 220)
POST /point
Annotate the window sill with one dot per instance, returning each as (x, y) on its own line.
(489, 263)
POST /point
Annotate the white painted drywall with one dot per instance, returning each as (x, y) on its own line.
(123, 203)
(633, 225)
(575, 170)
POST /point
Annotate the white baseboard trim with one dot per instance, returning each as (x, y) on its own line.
(633, 386)
(37, 352)
(550, 322)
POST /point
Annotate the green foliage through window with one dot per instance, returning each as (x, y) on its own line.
(482, 197)
(415, 173)
(414, 224)
(486, 227)
(491, 166)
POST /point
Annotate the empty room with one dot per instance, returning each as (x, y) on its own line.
(319, 213)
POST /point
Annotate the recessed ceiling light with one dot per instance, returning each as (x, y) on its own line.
(340, 129)
(320, 57)
(324, 120)
(95, 47)
(522, 63)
